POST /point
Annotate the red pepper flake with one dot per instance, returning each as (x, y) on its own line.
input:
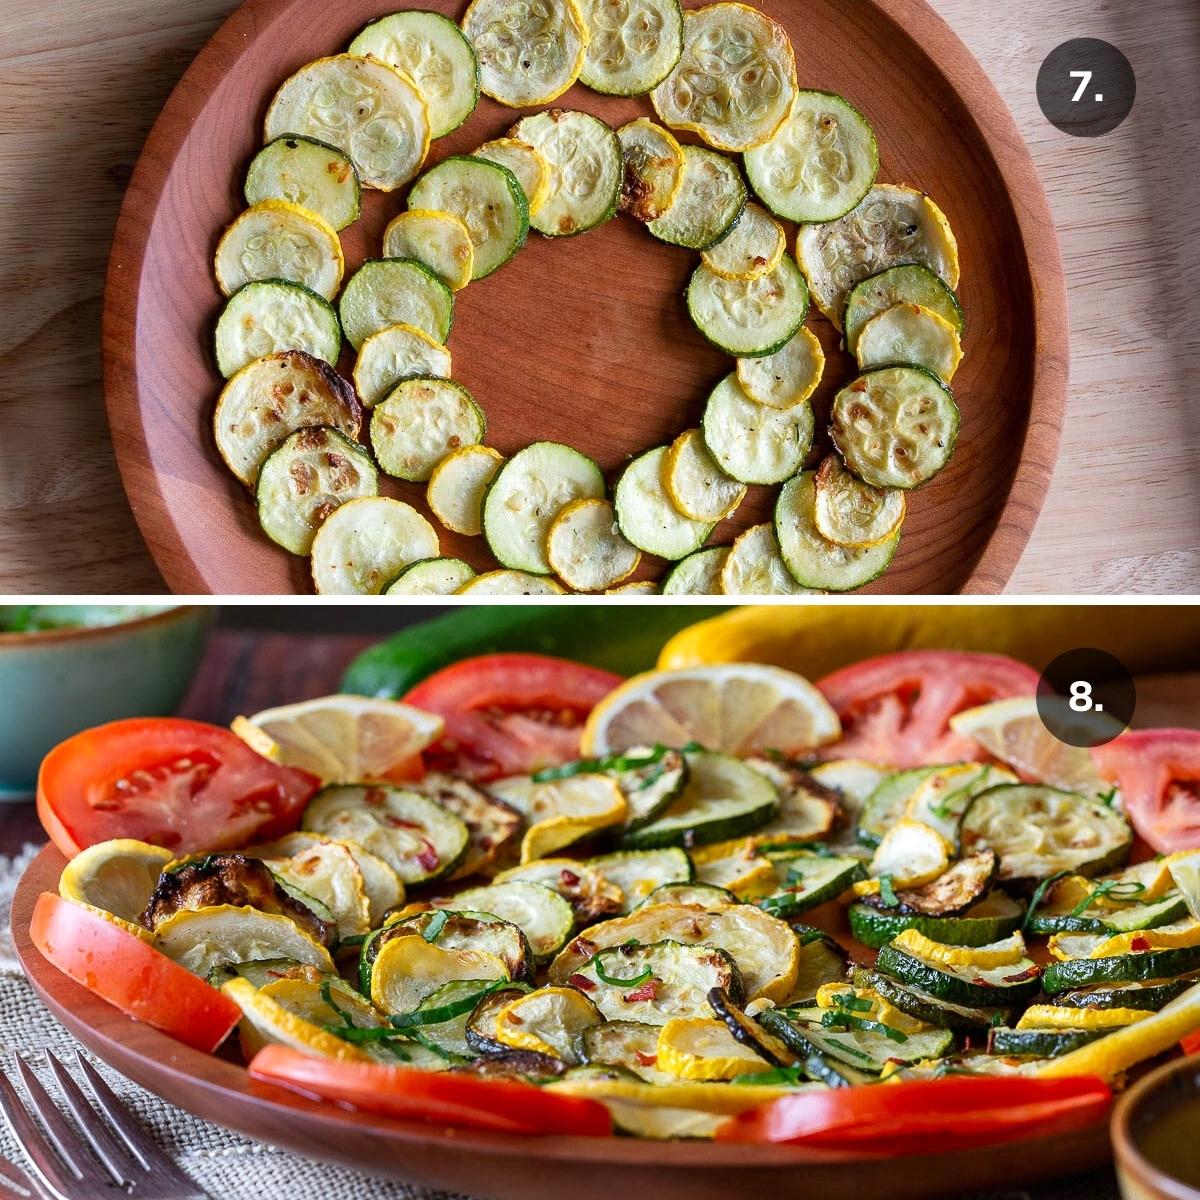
(569, 878)
(645, 1060)
(582, 982)
(648, 991)
(1028, 973)
(429, 858)
(1140, 943)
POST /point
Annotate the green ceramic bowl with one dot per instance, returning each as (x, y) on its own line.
(56, 682)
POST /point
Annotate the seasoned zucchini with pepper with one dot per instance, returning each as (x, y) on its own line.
(312, 174)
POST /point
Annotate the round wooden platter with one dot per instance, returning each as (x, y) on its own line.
(586, 340)
(506, 1166)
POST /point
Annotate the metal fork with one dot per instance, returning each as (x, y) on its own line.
(123, 1158)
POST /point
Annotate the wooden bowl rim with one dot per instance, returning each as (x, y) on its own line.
(95, 633)
(1027, 488)
(155, 1055)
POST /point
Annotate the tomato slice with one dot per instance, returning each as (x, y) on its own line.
(509, 714)
(436, 1098)
(130, 974)
(896, 708)
(179, 784)
(1158, 774)
(926, 1116)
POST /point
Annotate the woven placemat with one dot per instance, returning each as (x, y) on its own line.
(232, 1167)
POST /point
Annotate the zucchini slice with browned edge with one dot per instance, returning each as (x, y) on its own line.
(312, 174)
(638, 873)
(992, 918)
(933, 1010)
(542, 915)
(1135, 967)
(973, 986)
(270, 316)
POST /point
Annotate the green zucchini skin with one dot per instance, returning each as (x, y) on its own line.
(1120, 968)
(875, 927)
(928, 1008)
(1172, 908)
(1040, 1043)
(906, 969)
(1149, 996)
(785, 903)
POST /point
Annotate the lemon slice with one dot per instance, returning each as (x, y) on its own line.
(549, 1021)
(266, 1020)
(1012, 731)
(203, 938)
(735, 707)
(703, 1048)
(341, 739)
(116, 877)
(561, 811)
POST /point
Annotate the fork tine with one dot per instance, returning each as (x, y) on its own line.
(108, 1150)
(15, 1182)
(65, 1140)
(31, 1139)
(152, 1156)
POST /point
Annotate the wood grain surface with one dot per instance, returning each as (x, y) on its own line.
(81, 83)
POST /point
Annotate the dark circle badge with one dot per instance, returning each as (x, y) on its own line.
(1086, 698)
(1086, 87)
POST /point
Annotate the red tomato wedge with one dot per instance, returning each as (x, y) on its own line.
(896, 708)
(1158, 774)
(179, 784)
(435, 1098)
(927, 1116)
(509, 714)
(130, 974)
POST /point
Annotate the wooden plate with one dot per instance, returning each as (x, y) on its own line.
(505, 1166)
(587, 340)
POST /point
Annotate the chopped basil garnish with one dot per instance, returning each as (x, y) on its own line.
(887, 892)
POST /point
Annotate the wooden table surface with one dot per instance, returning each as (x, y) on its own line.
(82, 80)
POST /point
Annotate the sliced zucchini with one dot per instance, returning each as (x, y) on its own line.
(754, 246)
(439, 240)
(908, 333)
(890, 227)
(964, 984)
(854, 779)
(638, 873)
(697, 575)
(819, 164)
(925, 1006)
(753, 566)
(822, 960)
(652, 162)
(633, 46)
(420, 422)
(395, 353)
(527, 493)
(490, 824)
(487, 198)
(480, 1031)
(304, 479)
(431, 51)
(365, 108)
(851, 513)
(408, 970)
(279, 240)
(549, 1020)
(650, 779)
(813, 560)
(271, 316)
(710, 198)
(992, 918)
(786, 377)
(457, 487)
(713, 92)
(511, 583)
(751, 442)
(542, 915)
(748, 1032)
(529, 167)
(748, 318)
(431, 577)
(1076, 917)
(640, 587)
(646, 515)
(416, 837)
(449, 1035)
(395, 291)
(632, 1045)
(201, 939)
(585, 547)
(695, 483)
(561, 811)
(1039, 830)
(528, 54)
(1141, 966)
(1146, 995)
(586, 169)
(940, 800)
(1039, 1043)
(708, 896)
(765, 949)
(308, 173)
(735, 866)
(723, 798)
(808, 810)
(911, 854)
(848, 1039)
(654, 982)
(365, 543)
(954, 892)
(705, 1048)
(895, 426)
(888, 802)
(274, 396)
(591, 897)
(810, 879)
(908, 283)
